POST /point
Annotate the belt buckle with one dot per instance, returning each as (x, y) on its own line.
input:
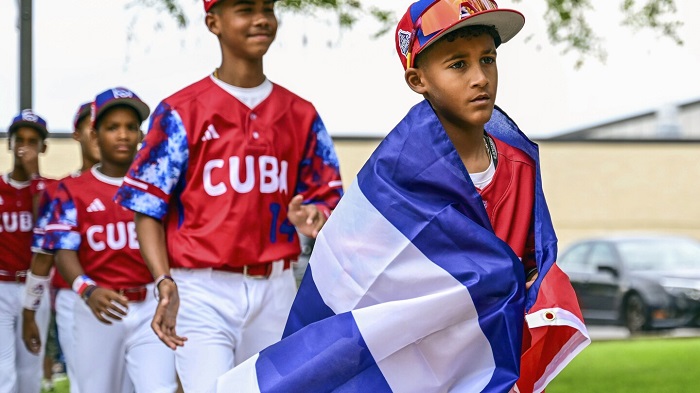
(254, 276)
(19, 275)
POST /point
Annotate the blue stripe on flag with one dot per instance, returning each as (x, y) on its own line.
(308, 306)
(414, 182)
(329, 355)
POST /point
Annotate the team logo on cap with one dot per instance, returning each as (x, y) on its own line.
(404, 41)
(28, 115)
(122, 93)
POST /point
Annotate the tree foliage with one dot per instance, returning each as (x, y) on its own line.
(567, 20)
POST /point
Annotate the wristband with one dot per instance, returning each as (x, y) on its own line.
(156, 291)
(81, 283)
(34, 290)
(87, 292)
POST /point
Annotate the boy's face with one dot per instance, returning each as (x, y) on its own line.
(88, 146)
(460, 79)
(25, 139)
(245, 27)
(118, 135)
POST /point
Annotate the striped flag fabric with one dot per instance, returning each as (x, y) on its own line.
(409, 290)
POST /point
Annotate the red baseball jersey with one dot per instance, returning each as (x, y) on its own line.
(220, 175)
(17, 221)
(84, 219)
(509, 200)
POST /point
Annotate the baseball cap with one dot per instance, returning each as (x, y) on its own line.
(27, 118)
(82, 112)
(210, 3)
(117, 96)
(426, 21)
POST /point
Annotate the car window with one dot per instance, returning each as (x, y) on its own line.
(602, 255)
(663, 253)
(575, 260)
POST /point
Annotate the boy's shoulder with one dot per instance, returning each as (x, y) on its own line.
(190, 93)
(76, 179)
(512, 153)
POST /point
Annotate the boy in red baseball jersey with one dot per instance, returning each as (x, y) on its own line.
(231, 167)
(96, 250)
(20, 369)
(43, 260)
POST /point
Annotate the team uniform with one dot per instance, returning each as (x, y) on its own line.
(65, 296)
(103, 234)
(219, 167)
(508, 193)
(20, 369)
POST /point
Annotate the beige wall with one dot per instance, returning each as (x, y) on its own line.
(598, 188)
(591, 188)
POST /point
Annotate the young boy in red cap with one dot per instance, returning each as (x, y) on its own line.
(97, 251)
(43, 260)
(441, 248)
(231, 167)
(21, 370)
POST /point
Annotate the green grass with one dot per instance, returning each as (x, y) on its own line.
(634, 366)
(647, 365)
(59, 386)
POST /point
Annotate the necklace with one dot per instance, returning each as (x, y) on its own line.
(490, 149)
(216, 73)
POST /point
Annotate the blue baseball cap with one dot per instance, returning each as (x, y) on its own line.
(82, 112)
(117, 96)
(27, 118)
(426, 21)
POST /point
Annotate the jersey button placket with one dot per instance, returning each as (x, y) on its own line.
(251, 124)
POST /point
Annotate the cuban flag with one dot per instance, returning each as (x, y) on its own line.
(409, 290)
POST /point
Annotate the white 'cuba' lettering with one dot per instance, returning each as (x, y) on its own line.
(117, 237)
(272, 175)
(16, 221)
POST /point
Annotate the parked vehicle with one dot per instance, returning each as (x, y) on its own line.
(643, 282)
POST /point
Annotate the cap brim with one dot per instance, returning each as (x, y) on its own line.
(139, 106)
(507, 22)
(23, 123)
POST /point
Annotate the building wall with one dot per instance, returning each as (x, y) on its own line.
(592, 188)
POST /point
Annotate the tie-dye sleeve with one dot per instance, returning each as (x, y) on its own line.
(62, 228)
(319, 171)
(43, 218)
(158, 166)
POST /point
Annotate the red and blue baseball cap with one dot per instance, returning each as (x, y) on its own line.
(210, 3)
(426, 21)
(117, 96)
(27, 118)
(82, 112)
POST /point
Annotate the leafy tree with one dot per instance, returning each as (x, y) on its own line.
(567, 24)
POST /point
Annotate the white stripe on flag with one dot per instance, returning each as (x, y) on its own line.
(414, 316)
(245, 379)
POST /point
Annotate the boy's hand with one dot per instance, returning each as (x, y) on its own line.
(29, 159)
(306, 218)
(107, 303)
(164, 320)
(30, 332)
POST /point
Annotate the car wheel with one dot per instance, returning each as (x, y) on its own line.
(636, 317)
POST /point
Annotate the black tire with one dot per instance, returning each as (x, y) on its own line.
(636, 314)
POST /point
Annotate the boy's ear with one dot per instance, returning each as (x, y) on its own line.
(414, 80)
(212, 22)
(43, 146)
